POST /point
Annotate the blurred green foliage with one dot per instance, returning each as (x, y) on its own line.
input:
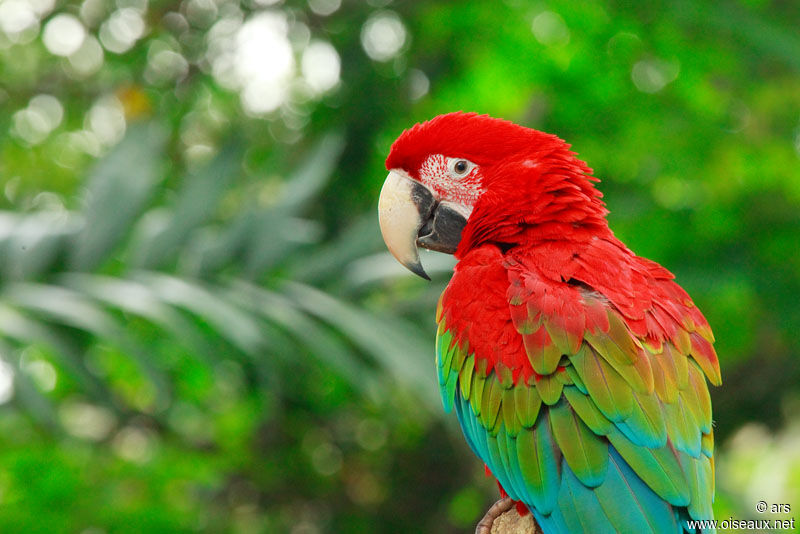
(200, 329)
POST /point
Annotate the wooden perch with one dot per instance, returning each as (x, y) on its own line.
(502, 518)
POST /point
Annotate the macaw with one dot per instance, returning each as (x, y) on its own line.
(578, 371)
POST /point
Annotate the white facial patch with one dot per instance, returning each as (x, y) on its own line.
(439, 173)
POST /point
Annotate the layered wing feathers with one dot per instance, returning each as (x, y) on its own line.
(598, 429)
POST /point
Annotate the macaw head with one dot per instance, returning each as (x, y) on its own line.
(462, 179)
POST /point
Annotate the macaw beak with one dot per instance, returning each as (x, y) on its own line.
(410, 216)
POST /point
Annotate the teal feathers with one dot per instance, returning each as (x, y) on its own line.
(627, 444)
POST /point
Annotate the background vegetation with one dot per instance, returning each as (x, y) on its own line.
(200, 329)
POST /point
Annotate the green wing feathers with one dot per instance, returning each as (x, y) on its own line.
(591, 416)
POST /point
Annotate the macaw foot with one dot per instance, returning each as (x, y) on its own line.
(502, 518)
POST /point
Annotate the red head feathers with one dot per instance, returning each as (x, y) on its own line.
(523, 184)
(479, 138)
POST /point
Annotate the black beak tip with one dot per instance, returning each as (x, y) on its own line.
(417, 269)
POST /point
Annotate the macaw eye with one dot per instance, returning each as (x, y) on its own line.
(460, 167)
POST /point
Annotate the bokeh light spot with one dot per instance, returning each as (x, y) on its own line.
(419, 84)
(320, 66)
(134, 444)
(43, 374)
(200, 13)
(550, 29)
(41, 7)
(675, 193)
(164, 64)
(63, 35)
(383, 35)
(16, 16)
(106, 119)
(263, 62)
(324, 7)
(651, 75)
(88, 58)
(122, 29)
(93, 11)
(86, 420)
(34, 123)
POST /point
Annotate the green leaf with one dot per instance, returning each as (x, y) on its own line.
(394, 344)
(194, 205)
(116, 193)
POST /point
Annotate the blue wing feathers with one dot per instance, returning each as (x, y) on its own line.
(623, 503)
(530, 468)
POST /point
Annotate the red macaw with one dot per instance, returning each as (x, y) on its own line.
(577, 369)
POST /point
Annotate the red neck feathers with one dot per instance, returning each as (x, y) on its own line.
(543, 193)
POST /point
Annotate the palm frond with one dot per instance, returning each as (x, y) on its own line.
(133, 263)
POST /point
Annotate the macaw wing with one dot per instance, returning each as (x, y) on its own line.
(599, 422)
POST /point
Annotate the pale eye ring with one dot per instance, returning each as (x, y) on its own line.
(460, 167)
